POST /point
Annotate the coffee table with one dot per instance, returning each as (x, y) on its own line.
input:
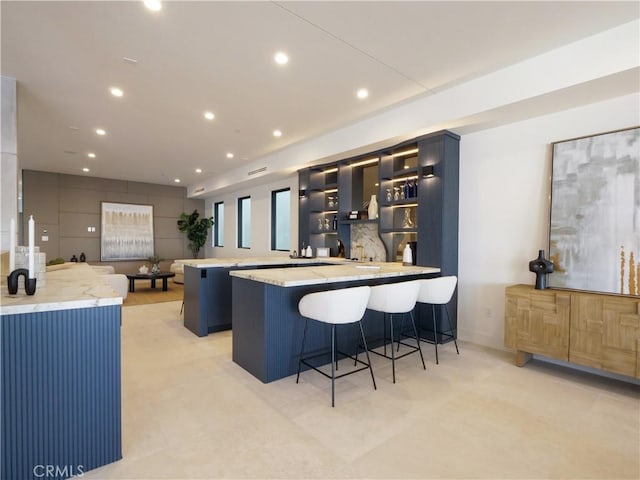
(150, 276)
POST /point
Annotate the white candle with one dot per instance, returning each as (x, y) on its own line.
(32, 270)
(12, 245)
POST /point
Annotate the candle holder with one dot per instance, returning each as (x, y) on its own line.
(29, 283)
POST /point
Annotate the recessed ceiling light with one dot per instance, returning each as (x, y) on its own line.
(73, 127)
(177, 180)
(209, 115)
(277, 133)
(281, 58)
(85, 169)
(116, 92)
(229, 155)
(198, 170)
(91, 155)
(101, 131)
(153, 5)
(363, 93)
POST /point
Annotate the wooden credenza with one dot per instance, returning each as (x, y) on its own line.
(592, 329)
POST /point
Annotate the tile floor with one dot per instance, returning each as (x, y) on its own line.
(189, 412)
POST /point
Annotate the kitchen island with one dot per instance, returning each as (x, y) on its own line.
(207, 287)
(267, 328)
(60, 393)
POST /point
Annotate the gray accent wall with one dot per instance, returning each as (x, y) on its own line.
(66, 205)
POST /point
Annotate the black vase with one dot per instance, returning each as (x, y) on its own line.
(541, 267)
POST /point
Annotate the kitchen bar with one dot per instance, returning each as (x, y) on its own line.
(267, 328)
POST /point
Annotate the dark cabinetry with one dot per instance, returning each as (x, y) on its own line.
(417, 195)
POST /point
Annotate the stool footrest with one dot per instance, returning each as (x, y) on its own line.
(413, 348)
(345, 355)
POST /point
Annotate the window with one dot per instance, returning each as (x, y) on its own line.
(280, 219)
(244, 222)
(218, 229)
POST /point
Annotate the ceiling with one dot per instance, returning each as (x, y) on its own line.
(218, 56)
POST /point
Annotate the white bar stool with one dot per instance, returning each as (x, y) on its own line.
(396, 298)
(438, 291)
(335, 307)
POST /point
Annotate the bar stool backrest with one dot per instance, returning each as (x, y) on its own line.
(437, 291)
(346, 305)
(394, 297)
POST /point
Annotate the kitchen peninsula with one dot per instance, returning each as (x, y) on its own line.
(267, 328)
(61, 376)
(207, 287)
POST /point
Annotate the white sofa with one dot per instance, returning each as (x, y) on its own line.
(177, 267)
(118, 282)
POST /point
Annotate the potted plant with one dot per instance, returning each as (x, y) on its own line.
(196, 229)
(155, 263)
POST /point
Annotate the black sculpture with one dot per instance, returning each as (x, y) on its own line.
(541, 267)
(29, 283)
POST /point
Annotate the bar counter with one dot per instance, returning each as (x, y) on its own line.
(60, 398)
(207, 287)
(267, 328)
(66, 289)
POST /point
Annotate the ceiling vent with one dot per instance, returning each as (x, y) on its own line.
(198, 190)
(257, 170)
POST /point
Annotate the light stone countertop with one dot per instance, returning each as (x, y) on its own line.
(257, 261)
(66, 289)
(314, 275)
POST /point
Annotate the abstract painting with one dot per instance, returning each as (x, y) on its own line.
(126, 231)
(594, 237)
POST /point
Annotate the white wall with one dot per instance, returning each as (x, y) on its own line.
(504, 206)
(260, 220)
(8, 161)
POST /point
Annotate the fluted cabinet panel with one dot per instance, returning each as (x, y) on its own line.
(61, 413)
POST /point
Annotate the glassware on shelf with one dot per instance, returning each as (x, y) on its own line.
(327, 225)
(389, 195)
(396, 193)
(401, 193)
(320, 224)
(331, 201)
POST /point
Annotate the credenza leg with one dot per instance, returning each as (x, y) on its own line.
(522, 358)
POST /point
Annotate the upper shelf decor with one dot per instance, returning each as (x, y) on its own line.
(595, 213)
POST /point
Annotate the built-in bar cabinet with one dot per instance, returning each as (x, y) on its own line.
(417, 193)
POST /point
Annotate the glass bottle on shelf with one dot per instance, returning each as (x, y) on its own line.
(407, 193)
(334, 223)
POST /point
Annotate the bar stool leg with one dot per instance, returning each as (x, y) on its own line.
(393, 355)
(304, 337)
(333, 365)
(435, 331)
(366, 351)
(451, 329)
(415, 332)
